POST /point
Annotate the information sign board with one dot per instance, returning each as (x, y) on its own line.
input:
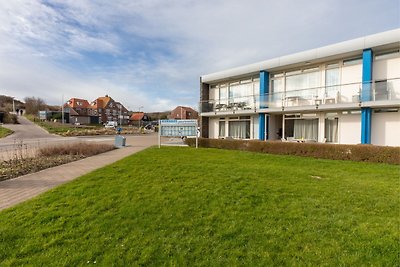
(178, 128)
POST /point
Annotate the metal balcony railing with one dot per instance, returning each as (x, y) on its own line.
(383, 90)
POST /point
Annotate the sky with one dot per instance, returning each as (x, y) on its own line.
(149, 54)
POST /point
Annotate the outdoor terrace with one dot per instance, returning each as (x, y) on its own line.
(382, 91)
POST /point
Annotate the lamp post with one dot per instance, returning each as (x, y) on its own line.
(140, 119)
(62, 109)
(120, 113)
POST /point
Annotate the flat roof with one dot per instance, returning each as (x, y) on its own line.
(349, 47)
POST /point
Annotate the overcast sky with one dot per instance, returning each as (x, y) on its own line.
(151, 53)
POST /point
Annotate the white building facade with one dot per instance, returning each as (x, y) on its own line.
(346, 93)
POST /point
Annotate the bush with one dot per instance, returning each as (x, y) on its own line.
(81, 149)
(368, 153)
(10, 118)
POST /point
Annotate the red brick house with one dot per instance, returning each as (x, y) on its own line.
(183, 113)
(109, 110)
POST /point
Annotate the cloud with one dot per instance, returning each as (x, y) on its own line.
(151, 53)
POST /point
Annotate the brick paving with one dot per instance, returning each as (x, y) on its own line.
(19, 189)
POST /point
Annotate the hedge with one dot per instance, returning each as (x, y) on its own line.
(367, 153)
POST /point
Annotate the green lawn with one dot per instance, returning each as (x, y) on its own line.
(188, 207)
(4, 132)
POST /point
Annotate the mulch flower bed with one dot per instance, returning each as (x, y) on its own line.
(14, 168)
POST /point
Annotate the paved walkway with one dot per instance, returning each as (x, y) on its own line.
(28, 186)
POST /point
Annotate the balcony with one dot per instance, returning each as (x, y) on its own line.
(377, 91)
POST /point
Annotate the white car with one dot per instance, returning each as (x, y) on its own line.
(111, 124)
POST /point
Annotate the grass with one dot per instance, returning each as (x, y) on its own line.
(4, 132)
(208, 207)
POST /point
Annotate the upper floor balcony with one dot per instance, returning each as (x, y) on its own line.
(355, 93)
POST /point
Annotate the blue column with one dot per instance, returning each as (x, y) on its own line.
(366, 125)
(366, 95)
(366, 91)
(261, 126)
(264, 90)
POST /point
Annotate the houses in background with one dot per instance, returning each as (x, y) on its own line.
(105, 109)
(109, 110)
(183, 113)
(101, 110)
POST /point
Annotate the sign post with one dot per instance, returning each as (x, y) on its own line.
(177, 128)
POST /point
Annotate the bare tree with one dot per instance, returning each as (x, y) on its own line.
(33, 105)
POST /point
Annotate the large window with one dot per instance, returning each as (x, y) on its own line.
(239, 127)
(332, 80)
(223, 94)
(221, 129)
(239, 93)
(331, 130)
(301, 128)
(306, 129)
(305, 80)
(277, 88)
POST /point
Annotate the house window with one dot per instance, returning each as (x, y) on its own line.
(221, 131)
(305, 80)
(306, 129)
(332, 80)
(223, 95)
(353, 61)
(331, 130)
(239, 127)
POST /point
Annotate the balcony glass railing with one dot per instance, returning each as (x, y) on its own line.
(328, 95)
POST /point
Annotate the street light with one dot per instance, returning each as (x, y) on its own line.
(120, 119)
(140, 119)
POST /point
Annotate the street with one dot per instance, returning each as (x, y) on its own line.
(28, 137)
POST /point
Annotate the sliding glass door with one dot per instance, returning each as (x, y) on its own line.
(306, 129)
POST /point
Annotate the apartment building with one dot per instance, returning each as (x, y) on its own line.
(345, 93)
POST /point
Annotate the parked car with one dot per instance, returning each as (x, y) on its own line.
(111, 124)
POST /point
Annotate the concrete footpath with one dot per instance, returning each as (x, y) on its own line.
(22, 188)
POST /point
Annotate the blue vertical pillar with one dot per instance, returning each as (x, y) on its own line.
(264, 90)
(366, 95)
(366, 91)
(366, 125)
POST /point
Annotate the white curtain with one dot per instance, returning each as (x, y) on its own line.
(221, 129)
(301, 82)
(331, 130)
(306, 129)
(239, 129)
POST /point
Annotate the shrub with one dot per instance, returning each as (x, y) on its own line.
(10, 118)
(81, 149)
(368, 153)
